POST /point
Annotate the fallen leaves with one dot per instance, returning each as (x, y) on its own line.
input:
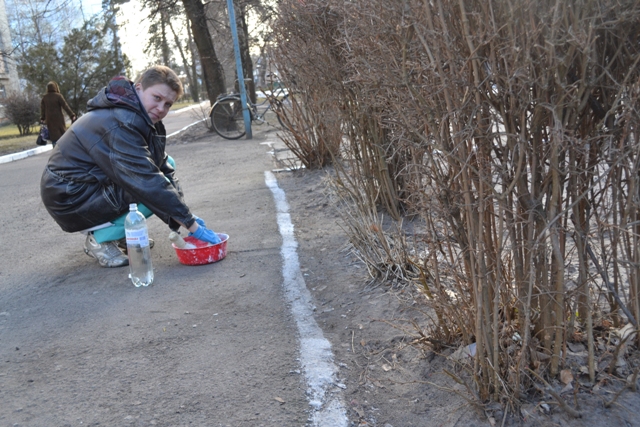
(566, 376)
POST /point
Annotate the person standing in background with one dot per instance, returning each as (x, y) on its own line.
(51, 108)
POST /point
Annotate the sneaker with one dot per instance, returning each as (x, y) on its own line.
(108, 254)
(122, 244)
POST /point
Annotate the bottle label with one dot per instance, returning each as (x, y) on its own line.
(137, 237)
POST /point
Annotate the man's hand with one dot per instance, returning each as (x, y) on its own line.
(206, 235)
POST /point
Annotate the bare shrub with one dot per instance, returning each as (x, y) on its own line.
(23, 110)
(509, 129)
(315, 132)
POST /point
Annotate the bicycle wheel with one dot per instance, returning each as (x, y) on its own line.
(227, 118)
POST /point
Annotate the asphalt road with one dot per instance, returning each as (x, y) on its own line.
(185, 117)
(210, 345)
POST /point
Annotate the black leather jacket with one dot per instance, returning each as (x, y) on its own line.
(112, 156)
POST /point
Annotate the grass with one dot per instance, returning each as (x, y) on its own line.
(17, 144)
(12, 142)
(11, 131)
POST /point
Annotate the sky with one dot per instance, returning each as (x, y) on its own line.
(91, 7)
(133, 35)
(133, 31)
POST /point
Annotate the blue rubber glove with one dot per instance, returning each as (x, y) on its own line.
(200, 221)
(206, 235)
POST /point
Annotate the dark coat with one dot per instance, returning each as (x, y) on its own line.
(51, 108)
(111, 157)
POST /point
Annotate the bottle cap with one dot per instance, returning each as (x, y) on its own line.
(133, 207)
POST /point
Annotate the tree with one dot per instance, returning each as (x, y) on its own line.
(89, 64)
(111, 8)
(35, 22)
(194, 87)
(243, 42)
(23, 110)
(38, 65)
(167, 19)
(259, 13)
(158, 44)
(211, 68)
(193, 82)
(82, 66)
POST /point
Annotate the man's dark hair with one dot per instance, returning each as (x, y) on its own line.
(159, 74)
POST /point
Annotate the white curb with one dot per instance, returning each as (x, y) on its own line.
(24, 154)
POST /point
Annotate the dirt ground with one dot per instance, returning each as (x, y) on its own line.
(387, 379)
(391, 381)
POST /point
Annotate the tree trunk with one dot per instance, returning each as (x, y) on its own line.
(245, 54)
(195, 90)
(166, 55)
(211, 68)
(185, 64)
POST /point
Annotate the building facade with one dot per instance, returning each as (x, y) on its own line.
(9, 81)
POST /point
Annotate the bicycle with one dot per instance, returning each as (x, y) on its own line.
(227, 117)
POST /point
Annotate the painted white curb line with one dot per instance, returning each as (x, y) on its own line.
(185, 128)
(24, 154)
(316, 358)
(190, 107)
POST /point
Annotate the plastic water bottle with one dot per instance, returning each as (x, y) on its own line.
(138, 250)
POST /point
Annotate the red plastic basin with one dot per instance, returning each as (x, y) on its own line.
(204, 253)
